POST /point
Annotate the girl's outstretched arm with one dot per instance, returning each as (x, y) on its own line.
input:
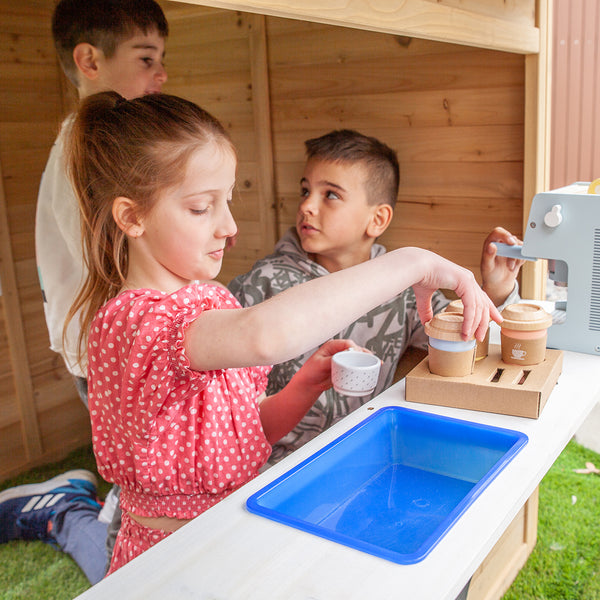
(281, 412)
(306, 315)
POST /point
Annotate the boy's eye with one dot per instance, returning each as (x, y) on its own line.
(148, 61)
(331, 195)
(304, 192)
(198, 211)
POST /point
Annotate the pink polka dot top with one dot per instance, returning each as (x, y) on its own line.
(176, 440)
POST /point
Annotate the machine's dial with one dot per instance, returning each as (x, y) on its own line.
(553, 218)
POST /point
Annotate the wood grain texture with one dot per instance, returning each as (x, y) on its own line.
(32, 101)
(491, 24)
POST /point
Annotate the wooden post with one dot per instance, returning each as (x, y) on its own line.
(262, 126)
(16, 337)
(537, 139)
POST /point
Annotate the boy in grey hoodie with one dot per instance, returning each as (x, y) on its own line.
(348, 193)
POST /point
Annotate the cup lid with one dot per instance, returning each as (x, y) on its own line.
(456, 306)
(525, 317)
(446, 326)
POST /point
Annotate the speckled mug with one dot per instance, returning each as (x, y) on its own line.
(354, 373)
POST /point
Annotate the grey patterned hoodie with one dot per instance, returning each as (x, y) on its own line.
(386, 331)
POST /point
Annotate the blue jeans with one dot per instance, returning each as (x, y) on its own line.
(76, 531)
(79, 534)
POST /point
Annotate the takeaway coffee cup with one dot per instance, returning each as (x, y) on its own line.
(481, 348)
(449, 355)
(354, 373)
(523, 334)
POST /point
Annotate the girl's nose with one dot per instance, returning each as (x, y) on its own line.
(227, 227)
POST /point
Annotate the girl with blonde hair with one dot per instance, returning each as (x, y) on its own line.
(177, 369)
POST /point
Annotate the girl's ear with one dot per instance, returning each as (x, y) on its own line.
(85, 57)
(380, 219)
(124, 214)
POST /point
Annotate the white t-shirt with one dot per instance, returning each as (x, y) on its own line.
(59, 252)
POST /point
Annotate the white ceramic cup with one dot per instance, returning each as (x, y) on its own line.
(354, 373)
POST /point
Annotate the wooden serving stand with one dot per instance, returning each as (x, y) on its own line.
(494, 386)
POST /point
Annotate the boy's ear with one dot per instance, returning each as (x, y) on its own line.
(85, 57)
(380, 219)
(123, 211)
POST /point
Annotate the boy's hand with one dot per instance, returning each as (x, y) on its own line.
(498, 273)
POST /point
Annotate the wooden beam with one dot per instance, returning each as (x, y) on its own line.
(536, 161)
(493, 29)
(16, 336)
(261, 105)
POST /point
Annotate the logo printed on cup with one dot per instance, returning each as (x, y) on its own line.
(354, 373)
(518, 354)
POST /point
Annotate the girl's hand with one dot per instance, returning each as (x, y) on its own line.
(498, 273)
(478, 308)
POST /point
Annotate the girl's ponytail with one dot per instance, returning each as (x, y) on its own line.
(90, 154)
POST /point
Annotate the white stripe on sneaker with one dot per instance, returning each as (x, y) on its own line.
(45, 499)
(39, 502)
(57, 498)
(32, 502)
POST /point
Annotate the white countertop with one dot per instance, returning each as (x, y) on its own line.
(230, 553)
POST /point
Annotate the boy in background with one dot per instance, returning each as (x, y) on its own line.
(101, 45)
(348, 193)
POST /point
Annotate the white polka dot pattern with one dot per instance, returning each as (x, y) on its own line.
(132, 540)
(176, 440)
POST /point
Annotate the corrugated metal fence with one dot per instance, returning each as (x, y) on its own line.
(575, 144)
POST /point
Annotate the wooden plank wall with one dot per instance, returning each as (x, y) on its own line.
(41, 417)
(575, 149)
(454, 114)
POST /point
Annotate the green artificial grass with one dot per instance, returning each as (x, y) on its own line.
(564, 564)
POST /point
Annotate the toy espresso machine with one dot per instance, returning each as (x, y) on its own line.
(518, 376)
(564, 228)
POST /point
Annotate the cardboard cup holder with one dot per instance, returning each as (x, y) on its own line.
(494, 386)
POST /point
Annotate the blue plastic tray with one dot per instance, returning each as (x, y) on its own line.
(393, 485)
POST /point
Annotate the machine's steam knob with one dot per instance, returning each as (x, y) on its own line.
(553, 218)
